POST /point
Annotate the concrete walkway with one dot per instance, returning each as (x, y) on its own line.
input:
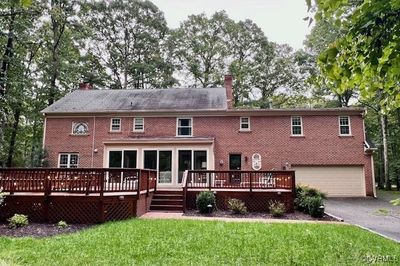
(375, 214)
(180, 216)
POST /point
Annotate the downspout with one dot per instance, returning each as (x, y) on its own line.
(93, 138)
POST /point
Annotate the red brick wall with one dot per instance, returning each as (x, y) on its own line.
(269, 136)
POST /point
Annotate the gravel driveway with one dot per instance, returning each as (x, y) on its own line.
(376, 214)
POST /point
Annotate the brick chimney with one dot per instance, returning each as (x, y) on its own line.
(228, 87)
(85, 86)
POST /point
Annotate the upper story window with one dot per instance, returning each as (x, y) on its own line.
(138, 124)
(68, 160)
(184, 127)
(297, 126)
(115, 124)
(80, 128)
(245, 123)
(344, 125)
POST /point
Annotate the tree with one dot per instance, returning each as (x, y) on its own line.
(367, 57)
(127, 38)
(200, 48)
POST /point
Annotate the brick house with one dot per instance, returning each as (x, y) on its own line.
(172, 130)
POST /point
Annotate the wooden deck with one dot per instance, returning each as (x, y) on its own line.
(255, 188)
(84, 195)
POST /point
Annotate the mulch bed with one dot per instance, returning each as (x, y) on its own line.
(257, 215)
(40, 230)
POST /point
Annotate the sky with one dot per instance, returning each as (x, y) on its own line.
(281, 20)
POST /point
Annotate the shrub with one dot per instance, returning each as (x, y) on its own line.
(309, 200)
(62, 224)
(18, 220)
(237, 206)
(276, 208)
(203, 200)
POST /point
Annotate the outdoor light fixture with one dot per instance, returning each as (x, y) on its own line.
(209, 206)
(95, 151)
(221, 162)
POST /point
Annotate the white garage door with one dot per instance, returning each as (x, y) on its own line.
(334, 181)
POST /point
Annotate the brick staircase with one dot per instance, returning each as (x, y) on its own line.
(167, 200)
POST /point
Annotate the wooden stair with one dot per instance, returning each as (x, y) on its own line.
(167, 200)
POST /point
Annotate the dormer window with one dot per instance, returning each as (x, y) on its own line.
(80, 128)
(184, 127)
(115, 124)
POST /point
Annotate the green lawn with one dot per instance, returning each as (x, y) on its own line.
(183, 242)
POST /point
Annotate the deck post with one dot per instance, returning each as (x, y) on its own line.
(138, 184)
(101, 198)
(47, 191)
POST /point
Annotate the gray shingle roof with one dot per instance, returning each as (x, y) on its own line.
(140, 100)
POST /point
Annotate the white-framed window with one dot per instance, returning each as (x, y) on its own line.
(297, 126)
(344, 126)
(138, 124)
(68, 160)
(80, 128)
(115, 124)
(245, 123)
(184, 127)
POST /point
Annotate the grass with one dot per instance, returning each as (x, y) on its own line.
(185, 242)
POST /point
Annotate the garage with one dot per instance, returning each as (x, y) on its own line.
(343, 181)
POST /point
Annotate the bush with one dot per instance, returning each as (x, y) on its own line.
(203, 200)
(309, 200)
(276, 208)
(237, 206)
(62, 224)
(18, 220)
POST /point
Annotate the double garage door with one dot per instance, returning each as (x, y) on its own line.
(334, 181)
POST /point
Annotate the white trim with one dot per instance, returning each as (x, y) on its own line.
(134, 125)
(121, 149)
(191, 126)
(111, 124)
(44, 134)
(68, 159)
(349, 124)
(241, 123)
(301, 126)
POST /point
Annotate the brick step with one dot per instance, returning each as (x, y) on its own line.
(166, 207)
(167, 202)
(169, 192)
(167, 196)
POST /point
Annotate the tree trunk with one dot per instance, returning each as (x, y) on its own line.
(11, 149)
(383, 124)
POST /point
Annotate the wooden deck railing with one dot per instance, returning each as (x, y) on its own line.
(209, 179)
(77, 180)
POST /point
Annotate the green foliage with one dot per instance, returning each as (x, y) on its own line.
(18, 220)
(276, 208)
(62, 224)
(237, 206)
(395, 202)
(205, 199)
(309, 200)
(367, 57)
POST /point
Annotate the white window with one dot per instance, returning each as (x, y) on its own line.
(297, 126)
(344, 125)
(68, 160)
(138, 124)
(115, 124)
(184, 127)
(245, 123)
(80, 128)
